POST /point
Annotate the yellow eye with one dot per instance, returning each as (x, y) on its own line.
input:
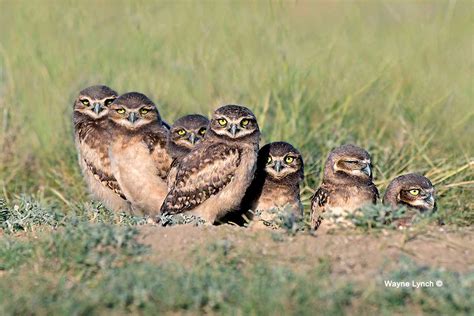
(202, 131)
(108, 102)
(414, 192)
(289, 159)
(144, 111)
(85, 102)
(269, 160)
(222, 122)
(244, 122)
(181, 132)
(120, 111)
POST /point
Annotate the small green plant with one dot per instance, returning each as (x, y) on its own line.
(92, 247)
(380, 216)
(179, 219)
(281, 218)
(376, 216)
(27, 214)
(95, 212)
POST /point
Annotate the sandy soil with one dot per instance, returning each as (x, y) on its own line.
(353, 253)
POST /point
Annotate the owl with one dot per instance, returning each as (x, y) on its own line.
(92, 138)
(280, 171)
(184, 135)
(138, 155)
(212, 179)
(413, 191)
(347, 184)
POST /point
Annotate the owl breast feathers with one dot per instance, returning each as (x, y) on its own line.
(138, 157)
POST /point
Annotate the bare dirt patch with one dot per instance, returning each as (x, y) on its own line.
(351, 253)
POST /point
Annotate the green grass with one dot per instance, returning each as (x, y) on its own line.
(393, 77)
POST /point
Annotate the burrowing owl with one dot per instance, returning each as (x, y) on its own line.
(184, 135)
(347, 184)
(212, 179)
(138, 155)
(92, 140)
(280, 171)
(411, 190)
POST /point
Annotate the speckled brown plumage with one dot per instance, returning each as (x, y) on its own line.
(138, 155)
(185, 134)
(92, 138)
(347, 184)
(212, 179)
(106, 180)
(280, 171)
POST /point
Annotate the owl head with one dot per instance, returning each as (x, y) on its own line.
(412, 190)
(95, 101)
(133, 111)
(348, 162)
(280, 160)
(186, 133)
(233, 122)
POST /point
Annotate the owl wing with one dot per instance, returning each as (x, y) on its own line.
(318, 206)
(106, 179)
(172, 173)
(155, 140)
(204, 172)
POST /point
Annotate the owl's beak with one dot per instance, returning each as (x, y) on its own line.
(97, 108)
(233, 129)
(133, 117)
(277, 166)
(192, 138)
(367, 170)
(430, 200)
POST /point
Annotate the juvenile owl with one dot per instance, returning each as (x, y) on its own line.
(138, 154)
(92, 138)
(186, 133)
(347, 184)
(212, 179)
(413, 191)
(280, 171)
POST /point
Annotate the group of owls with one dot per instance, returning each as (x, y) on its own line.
(213, 169)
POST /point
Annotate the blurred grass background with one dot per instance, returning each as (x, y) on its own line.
(394, 77)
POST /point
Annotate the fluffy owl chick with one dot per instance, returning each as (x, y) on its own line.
(347, 184)
(212, 179)
(138, 154)
(280, 171)
(413, 191)
(92, 139)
